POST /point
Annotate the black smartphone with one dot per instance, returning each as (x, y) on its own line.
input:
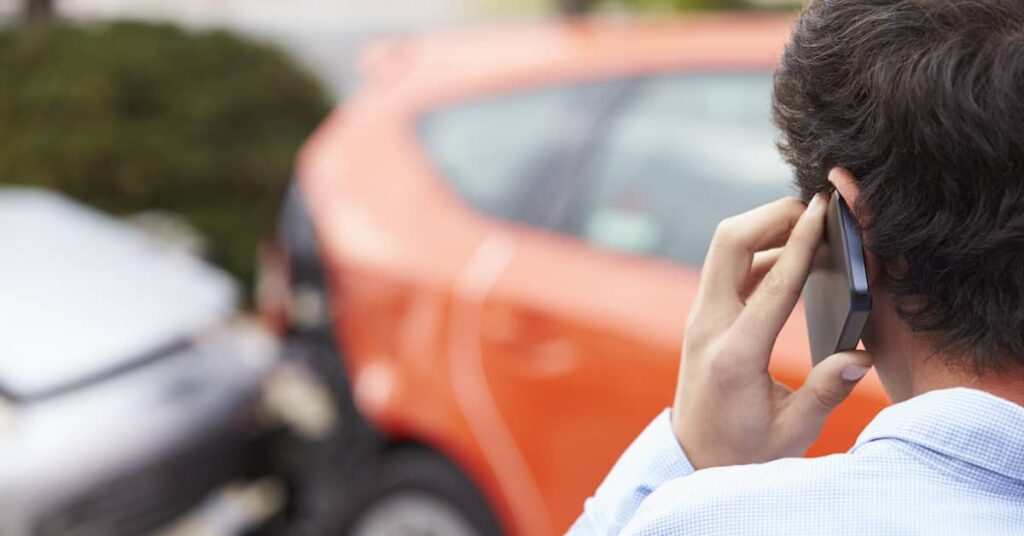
(836, 297)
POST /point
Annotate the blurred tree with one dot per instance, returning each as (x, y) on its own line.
(132, 116)
(39, 10)
(575, 7)
(689, 4)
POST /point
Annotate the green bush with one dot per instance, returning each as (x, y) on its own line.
(132, 116)
(664, 6)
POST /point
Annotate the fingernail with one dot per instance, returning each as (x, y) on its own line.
(852, 373)
(816, 201)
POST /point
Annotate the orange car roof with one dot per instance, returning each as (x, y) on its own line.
(600, 45)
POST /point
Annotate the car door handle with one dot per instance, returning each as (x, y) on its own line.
(506, 326)
(527, 334)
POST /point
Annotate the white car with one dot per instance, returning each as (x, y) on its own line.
(131, 392)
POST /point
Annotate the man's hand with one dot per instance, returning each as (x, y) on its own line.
(728, 410)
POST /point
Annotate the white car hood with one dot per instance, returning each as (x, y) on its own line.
(82, 293)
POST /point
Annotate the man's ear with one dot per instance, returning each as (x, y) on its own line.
(847, 186)
(849, 190)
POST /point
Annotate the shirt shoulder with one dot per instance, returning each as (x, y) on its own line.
(945, 462)
(834, 494)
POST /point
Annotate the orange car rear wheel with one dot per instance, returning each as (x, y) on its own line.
(410, 489)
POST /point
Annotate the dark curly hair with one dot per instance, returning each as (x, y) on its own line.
(923, 101)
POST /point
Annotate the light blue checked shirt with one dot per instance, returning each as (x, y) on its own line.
(945, 462)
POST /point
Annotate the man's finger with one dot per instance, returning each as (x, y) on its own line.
(736, 240)
(828, 384)
(771, 303)
(763, 262)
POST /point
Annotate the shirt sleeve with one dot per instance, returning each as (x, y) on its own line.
(653, 459)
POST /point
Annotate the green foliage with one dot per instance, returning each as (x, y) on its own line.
(132, 116)
(685, 5)
(666, 6)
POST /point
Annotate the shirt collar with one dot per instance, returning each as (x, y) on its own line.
(966, 424)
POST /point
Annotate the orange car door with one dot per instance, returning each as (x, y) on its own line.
(579, 349)
(500, 154)
(580, 325)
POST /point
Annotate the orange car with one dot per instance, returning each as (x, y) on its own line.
(499, 235)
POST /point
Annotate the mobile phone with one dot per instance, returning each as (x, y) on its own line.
(836, 296)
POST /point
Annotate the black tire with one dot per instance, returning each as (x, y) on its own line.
(415, 492)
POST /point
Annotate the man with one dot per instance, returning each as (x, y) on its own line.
(914, 111)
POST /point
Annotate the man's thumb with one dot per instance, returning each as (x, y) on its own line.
(830, 382)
